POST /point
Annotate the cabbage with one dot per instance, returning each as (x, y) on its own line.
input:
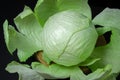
(63, 37)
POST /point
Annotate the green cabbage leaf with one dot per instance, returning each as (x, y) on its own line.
(109, 54)
(54, 71)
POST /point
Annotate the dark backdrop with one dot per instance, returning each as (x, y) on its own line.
(11, 8)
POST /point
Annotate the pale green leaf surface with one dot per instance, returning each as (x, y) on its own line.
(58, 72)
(45, 58)
(112, 77)
(109, 54)
(62, 34)
(77, 74)
(16, 40)
(102, 31)
(6, 35)
(46, 8)
(78, 48)
(108, 18)
(89, 61)
(28, 39)
(99, 74)
(26, 12)
(23, 55)
(80, 5)
(28, 25)
(24, 71)
(53, 71)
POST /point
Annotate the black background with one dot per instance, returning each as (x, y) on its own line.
(9, 9)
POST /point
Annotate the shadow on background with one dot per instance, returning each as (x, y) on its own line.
(9, 9)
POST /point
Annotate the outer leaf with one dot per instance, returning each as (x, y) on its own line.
(79, 5)
(28, 25)
(77, 74)
(108, 18)
(46, 8)
(15, 40)
(6, 35)
(24, 71)
(110, 53)
(89, 61)
(66, 35)
(99, 74)
(56, 71)
(53, 71)
(28, 41)
(112, 77)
